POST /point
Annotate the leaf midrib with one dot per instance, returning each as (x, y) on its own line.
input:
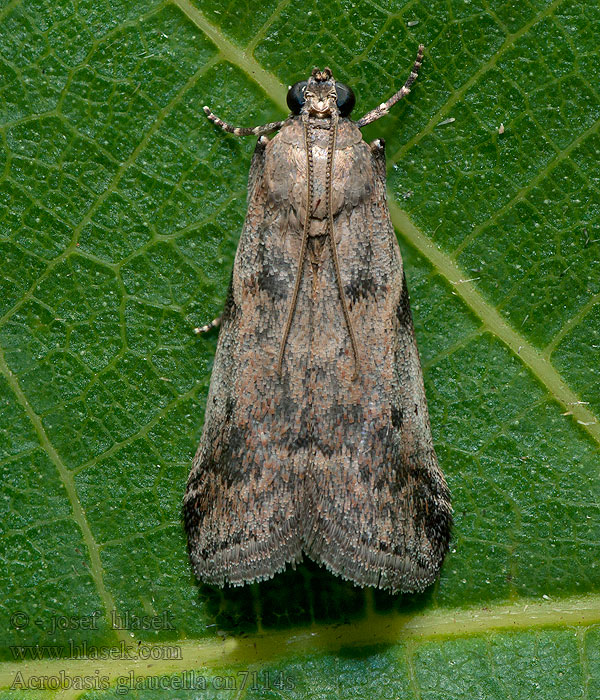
(375, 629)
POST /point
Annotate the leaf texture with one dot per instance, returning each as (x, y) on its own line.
(120, 210)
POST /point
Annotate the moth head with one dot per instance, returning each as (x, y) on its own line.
(321, 96)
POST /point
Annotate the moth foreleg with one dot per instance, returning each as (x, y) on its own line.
(377, 146)
(215, 323)
(243, 130)
(384, 107)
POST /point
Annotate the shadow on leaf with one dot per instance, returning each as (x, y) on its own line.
(305, 595)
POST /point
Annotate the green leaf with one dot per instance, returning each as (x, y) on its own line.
(120, 210)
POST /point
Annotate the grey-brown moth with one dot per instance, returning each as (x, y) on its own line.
(316, 438)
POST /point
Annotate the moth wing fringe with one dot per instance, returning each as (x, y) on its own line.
(237, 567)
(367, 566)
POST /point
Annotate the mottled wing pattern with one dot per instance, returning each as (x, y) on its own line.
(378, 507)
(317, 460)
(243, 507)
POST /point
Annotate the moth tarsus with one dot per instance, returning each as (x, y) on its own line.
(215, 323)
(316, 438)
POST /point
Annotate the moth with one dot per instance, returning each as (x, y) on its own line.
(316, 438)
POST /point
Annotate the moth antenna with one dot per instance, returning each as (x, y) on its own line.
(384, 107)
(242, 130)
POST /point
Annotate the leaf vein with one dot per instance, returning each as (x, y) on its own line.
(527, 353)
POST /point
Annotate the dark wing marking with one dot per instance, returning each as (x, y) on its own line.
(379, 507)
(242, 507)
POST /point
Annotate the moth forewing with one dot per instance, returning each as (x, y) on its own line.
(316, 438)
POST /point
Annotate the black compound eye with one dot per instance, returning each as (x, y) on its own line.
(295, 96)
(345, 99)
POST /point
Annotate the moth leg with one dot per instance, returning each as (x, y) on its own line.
(257, 165)
(215, 323)
(227, 311)
(378, 149)
(243, 130)
(384, 107)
